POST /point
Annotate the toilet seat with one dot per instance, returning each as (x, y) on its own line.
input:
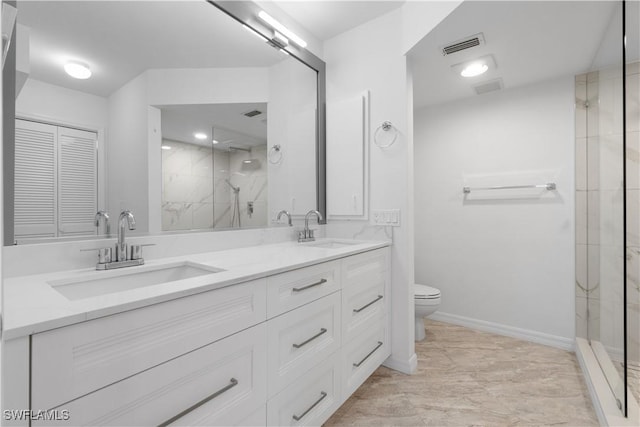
(422, 292)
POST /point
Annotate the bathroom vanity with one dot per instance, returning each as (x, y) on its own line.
(276, 334)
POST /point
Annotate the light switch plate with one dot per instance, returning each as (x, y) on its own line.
(389, 217)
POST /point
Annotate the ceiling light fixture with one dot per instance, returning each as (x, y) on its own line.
(474, 69)
(281, 28)
(77, 70)
(200, 135)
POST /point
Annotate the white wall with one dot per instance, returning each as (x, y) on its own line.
(40, 100)
(503, 257)
(371, 57)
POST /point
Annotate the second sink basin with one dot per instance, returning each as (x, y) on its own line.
(331, 243)
(93, 284)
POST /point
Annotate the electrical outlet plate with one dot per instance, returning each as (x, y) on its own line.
(389, 217)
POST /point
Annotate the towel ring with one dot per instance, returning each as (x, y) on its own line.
(275, 154)
(385, 127)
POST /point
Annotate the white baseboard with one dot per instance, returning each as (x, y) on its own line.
(510, 331)
(405, 366)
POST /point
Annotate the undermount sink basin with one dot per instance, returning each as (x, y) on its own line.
(92, 285)
(331, 243)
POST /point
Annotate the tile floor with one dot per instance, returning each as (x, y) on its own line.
(466, 377)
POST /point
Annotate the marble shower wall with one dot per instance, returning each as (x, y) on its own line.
(600, 255)
(252, 180)
(187, 187)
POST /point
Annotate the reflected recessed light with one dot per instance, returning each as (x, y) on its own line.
(166, 147)
(246, 161)
(77, 70)
(200, 135)
(215, 141)
(474, 69)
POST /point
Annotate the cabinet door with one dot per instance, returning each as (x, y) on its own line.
(364, 354)
(75, 360)
(36, 207)
(310, 400)
(219, 384)
(289, 290)
(301, 338)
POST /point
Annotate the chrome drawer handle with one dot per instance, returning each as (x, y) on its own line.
(358, 310)
(299, 417)
(304, 288)
(357, 365)
(232, 383)
(322, 331)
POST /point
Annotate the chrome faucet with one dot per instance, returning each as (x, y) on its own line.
(306, 235)
(121, 247)
(105, 216)
(283, 212)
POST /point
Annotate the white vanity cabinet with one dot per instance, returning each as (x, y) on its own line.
(287, 349)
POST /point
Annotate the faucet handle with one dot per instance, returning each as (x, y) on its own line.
(104, 254)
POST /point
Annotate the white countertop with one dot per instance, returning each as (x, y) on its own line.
(32, 305)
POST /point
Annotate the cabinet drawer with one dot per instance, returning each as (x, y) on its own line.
(311, 399)
(72, 361)
(363, 302)
(223, 377)
(300, 339)
(292, 289)
(364, 354)
(358, 267)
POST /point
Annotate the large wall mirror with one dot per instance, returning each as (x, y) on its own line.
(189, 119)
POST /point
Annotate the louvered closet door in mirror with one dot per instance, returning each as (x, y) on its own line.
(56, 181)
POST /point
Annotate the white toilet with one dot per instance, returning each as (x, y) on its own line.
(427, 302)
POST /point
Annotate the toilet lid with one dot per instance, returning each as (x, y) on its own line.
(426, 292)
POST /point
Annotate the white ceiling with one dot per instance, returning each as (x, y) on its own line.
(328, 18)
(121, 39)
(531, 41)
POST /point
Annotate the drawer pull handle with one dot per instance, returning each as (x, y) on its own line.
(232, 383)
(322, 331)
(299, 417)
(357, 365)
(304, 288)
(358, 310)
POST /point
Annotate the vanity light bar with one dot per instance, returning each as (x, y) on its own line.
(281, 28)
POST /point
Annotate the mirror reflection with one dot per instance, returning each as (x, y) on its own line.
(159, 108)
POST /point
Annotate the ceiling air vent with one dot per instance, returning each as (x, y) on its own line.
(489, 86)
(252, 113)
(466, 43)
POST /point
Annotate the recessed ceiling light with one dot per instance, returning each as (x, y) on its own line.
(166, 147)
(474, 69)
(247, 161)
(216, 141)
(77, 70)
(200, 135)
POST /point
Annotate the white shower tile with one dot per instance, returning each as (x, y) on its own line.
(593, 108)
(593, 217)
(581, 164)
(581, 217)
(580, 109)
(177, 216)
(202, 162)
(633, 218)
(581, 271)
(593, 163)
(633, 68)
(203, 216)
(581, 317)
(633, 160)
(610, 162)
(633, 103)
(593, 271)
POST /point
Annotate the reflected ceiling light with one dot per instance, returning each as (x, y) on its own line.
(281, 28)
(77, 70)
(200, 135)
(255, 33)
(247, 161)
(166, 147)
(215, 141)
(474, 69)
